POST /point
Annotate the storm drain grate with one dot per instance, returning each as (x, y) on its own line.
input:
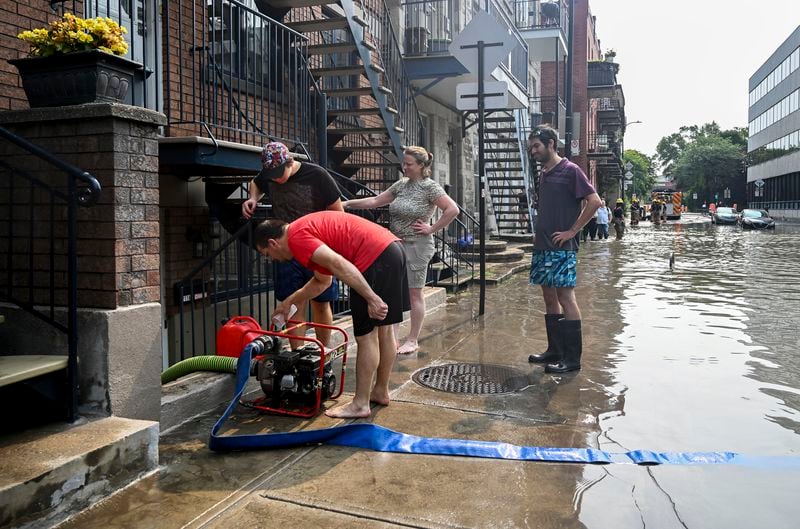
(475, 379)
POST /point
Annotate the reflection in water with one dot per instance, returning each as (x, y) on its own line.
(715, 335)
(705, 357)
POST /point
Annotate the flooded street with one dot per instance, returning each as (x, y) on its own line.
(700, 358)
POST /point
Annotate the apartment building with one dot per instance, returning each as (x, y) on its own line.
(773, 145)
(123, 219)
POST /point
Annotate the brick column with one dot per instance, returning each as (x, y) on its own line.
(118, 250)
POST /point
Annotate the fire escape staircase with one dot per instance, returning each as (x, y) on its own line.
(505, 169)
(365, 130)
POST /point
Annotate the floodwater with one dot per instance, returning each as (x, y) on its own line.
(703, 357)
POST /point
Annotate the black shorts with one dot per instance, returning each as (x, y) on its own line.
(387, 278)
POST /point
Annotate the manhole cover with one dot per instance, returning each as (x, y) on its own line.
(476, 379)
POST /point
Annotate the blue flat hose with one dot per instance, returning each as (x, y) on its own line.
(373, 437)
(219, 364)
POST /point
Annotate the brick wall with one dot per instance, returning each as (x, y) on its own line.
(16, 17)
(118, 238)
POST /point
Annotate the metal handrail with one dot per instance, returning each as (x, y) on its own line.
(91, 192)
(21, 276)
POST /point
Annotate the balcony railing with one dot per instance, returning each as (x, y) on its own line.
(602, 73)
(547, 110)
(430, 26)
(602, 143)
(536, 14)
(235, 72)
(608, 104)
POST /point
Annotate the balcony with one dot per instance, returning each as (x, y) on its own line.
(429, 29)
(603, 147)
(543, 25)
(548, 110)
(610, 111)
(602, 80)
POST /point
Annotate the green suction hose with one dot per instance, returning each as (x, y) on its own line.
(220, 364)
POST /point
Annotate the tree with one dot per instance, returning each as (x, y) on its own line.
(707, 166)
(706, 160)
(643, 173)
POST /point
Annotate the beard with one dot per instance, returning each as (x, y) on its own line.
(543, 158)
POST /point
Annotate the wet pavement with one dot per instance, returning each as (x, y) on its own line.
(700, 358)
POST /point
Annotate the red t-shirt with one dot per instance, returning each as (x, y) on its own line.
(355, 238)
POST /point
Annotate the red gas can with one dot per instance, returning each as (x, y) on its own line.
(234, 336)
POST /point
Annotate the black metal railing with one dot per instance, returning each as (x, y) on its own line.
(602, 143)
(40, 268)
(602, 73)
(236, 280)
(608, 104)
(428, 28)
(516, 65)
(547, 110)
(536, 14)
(235, 73)
(382, 34)
(431, 24)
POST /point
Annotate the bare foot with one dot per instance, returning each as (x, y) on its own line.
(349, 411)
(408, 348)
(380, 397)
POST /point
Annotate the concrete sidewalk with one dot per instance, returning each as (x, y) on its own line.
(326, 486)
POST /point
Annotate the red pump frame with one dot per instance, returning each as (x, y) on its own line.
(341, 350)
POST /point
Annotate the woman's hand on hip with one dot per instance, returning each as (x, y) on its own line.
(422, 228)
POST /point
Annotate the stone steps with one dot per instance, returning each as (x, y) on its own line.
(507, 255)
(51, 472)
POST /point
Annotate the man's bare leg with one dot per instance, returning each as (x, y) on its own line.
(321, 312)
(366, 364)
(566, 298)
(386, 343)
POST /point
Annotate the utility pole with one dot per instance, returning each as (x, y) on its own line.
(568, 81)
(481, 46)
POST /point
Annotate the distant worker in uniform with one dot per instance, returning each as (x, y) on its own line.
(618, 218)
(655, 211)
(634, 210)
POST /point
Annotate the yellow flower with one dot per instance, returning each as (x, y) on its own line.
(73, 34)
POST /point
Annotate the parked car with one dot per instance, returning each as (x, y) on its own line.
(724, 216)
(756, 219)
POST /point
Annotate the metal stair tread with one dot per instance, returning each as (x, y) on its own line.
(322, 24)
(355, 69)
(336, 47)
(350, 148)
(357, 130)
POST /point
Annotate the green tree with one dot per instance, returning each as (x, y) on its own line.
(643, 173)
(706, 160)
(708, 165)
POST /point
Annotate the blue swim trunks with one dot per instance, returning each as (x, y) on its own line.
(553, 268)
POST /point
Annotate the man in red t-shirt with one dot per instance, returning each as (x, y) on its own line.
(367, 258)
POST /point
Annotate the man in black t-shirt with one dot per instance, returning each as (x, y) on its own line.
(297, 189)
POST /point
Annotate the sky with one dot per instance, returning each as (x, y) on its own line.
(688, 62)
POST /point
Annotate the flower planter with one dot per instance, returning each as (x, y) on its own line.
(75, 78)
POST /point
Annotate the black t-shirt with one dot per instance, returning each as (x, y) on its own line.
(310, 189)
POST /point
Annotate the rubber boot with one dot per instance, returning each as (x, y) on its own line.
(571, 344)
(552, 353)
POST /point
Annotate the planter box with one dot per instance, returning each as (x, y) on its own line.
(75, 78)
